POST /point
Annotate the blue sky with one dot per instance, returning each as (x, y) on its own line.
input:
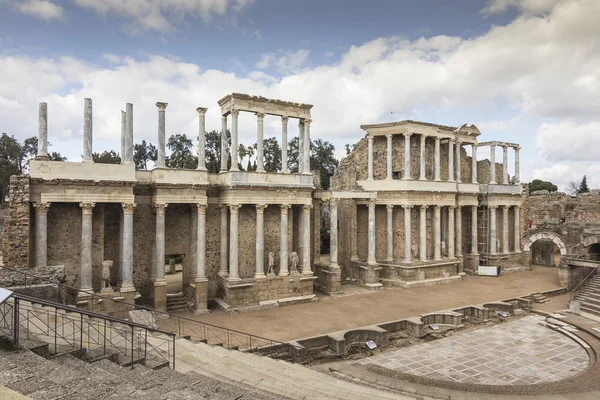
(523, 71)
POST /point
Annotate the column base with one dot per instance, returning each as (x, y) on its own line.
(201, 169)
(128, 288)
(284, 273)
(232, 278)
(354, 258)
(334, 265)
(159, 295)
(224, 274)
(437, 180)
(260, 276)
(423, 179)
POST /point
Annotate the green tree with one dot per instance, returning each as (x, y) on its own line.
(271, 155)
(181, 153)
(294, 154)
(243, 152)
(583, 187)
(106, 157)
(213, 150)
(10, 162)
(322, 158)
(538, 184)
(349, 148)
(143, 153)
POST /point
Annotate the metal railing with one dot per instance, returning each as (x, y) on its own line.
(583, 283)
(63, 328)
(181, 326)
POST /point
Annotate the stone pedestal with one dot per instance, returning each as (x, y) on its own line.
(471, 263)
(159, 295)
(199, 291)
(329, 279)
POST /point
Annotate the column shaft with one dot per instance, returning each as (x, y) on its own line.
(474, 229)
(201, 242)
(333, 236)
(422, 175)
(474, 163)
(260, 161)
(234, 274)
(306, 142)
(201, 138)
(505, 229)
(390, 232)
(505, 165)
(193, 257)
(493, 164)
(127, 270)
(284, 145)
(224, 245)
(517, 166)
(407, 156)
(407, 233)
(306, 267)
(493, 248)
(123, 135)
(41, 234)
(87, 131)
(451, 231)
(517, 228)
(42, 151)
(423, 233)
(234, 140)
(371, 258)
(283, 242)
(160, 241)
(86, 246)
(224, 155)
(370, 158)
(389, 158)
(458, 222)
(160, 159)
(354, 233)
(128, 148)
(260, 242)
(450, 160)
(301, 146)
(437, 161)
(458, 160)
(437, 234)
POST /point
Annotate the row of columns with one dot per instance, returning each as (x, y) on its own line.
(505, 229)
(504, 163)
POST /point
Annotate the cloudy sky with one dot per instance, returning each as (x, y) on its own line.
(525, 71)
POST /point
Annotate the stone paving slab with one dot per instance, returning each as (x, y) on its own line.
(519, 352)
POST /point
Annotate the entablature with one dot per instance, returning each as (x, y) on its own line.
(262, 105)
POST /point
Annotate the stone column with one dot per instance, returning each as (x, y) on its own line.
(284, 145)
(451, 232)
(87, 131)
(407, 156)
(458, 222)
(517, 210)
(423, 233)
(437, 161)
(128, 148)
(160, 240)
(458, 163)
(505, 229)
(333, 241)
(370, 158)
(450, 160)
(407, 233)
(389, 158)
(354, 233)
(517, 166)
(42, 151)
(234, 274)
(306, 267)
(301, 146)
(200, 267)
(474, 229)
(224, 143)
(422, 175)
(437, 233)
(371, 258)
(127, 263)
(283, 241)
(260, 162)
(492, 164)
(224, 244)
(493, 249)
(160, 159)
(260, 241)
(474, 163)
(41, 234)
(201, 138)
(505, 165)
(306, 143)
(123, 135)
(234, 140)
(390, 232)
(86, 246)
(193, 255)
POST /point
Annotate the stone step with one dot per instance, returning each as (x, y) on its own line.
(590, 301)
(590, 310)
(591, 306)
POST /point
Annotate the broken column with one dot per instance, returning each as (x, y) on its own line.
(160, 160)
(123, 134)
(128, 151)
(201, 138)
(42, 152)
(87, 131)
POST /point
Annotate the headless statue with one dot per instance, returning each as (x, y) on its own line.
(294, 261)
(106, 267)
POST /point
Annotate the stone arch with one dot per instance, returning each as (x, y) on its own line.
(548, 236)
(590, 240)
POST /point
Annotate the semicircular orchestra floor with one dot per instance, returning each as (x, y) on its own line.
(519, 352)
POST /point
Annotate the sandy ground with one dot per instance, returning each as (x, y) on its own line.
(333, 314)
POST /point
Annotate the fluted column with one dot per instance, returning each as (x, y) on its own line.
(87, 131)
(224, 155)
(301, 146)
(505, 229)
(423, 233)
(407, 156)
(517, 166)
(407, 233)
(234, 140)
(437, 171)
(41, 234)
(474, 229)
(333, 236)
(517, 228)
(42, 150)
(450, 160)
(260, 241)
(458, 223)
(493, 249)
(437, 233)
(127, 155)
(451, 231)
(390, 232)
(306, 268)
(160, 240)
(284, 145)
(306, 143)
(201, 138)
(493, 164)
(201, 242)
(389, 158)
(127, 263)
(283, 241)
(474, 163)
(224, 245)
(505, 165)
(234, 273)
(458, 163)
(371, 258)
(422, 175)
(123, 135)
(86, 246)
(160, 159)
(370, 158)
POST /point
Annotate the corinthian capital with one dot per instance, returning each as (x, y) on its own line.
(87, 208)
(160, 208)
(41, 208)
(128, 208)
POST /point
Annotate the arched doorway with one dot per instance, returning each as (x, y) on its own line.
(592, 244)
(546, 248)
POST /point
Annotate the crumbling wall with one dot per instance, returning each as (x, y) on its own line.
(15, 234)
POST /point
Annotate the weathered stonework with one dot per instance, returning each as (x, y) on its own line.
(16, 231)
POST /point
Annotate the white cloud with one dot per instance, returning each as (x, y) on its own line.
(111, 58)
(568, 141)
(526, 6)
(562, 175)
(265, 60)
(42, 9)
(287, 62)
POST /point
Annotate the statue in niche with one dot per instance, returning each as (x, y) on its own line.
(106, 267)
(497, 245)
(271, 264)
(294, 261)
(444, 249)
(415, 249)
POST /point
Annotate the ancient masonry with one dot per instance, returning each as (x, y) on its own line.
(400, 214)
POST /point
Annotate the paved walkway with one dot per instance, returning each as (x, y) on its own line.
(333, 314)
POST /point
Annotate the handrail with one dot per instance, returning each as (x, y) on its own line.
(583, 281)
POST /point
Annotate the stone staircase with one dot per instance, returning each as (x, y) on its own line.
(589, 296)
(176, 302)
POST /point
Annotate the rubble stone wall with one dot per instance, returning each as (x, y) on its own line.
(17, 215)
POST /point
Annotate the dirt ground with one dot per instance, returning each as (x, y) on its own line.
(334, 314)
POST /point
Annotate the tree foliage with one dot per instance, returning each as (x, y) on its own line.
(143, 153)
(106, 157)
(538, 184)
(583, 187)
(322, 158)
(181, 152)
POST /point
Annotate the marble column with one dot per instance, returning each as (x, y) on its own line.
(493, 249)
(354, 233)
(407, 156)
(224, 245)
(333, 236)
(127, 263)
(458, 223)
(160, 240)
(437, 233)
(284, 145)
(505, 165)
(42, 151)
(423, 233)
(451, 231)
(201, 138)
(422, 175)
(517, 166)
(505, 229)
(450, 160)
(458, 163)
(407, 233)
(371, 257)
(123, 135)
(128, 148)
(160, 159)
(260, 160)
(224, 155)
(474, 163)
(437, 161)
(492, 164)
(41, 234)
(390, 232)
(306, 267)
(193, 255)
(474, 231)
(234, 140)
(306, 143)
(260, 242)
(283, 241)
(389, 158)
(87, 131)
(234, 274)
(201, 242)
(517, 228)
(370, 158)
(86, 246)
(301, 146)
